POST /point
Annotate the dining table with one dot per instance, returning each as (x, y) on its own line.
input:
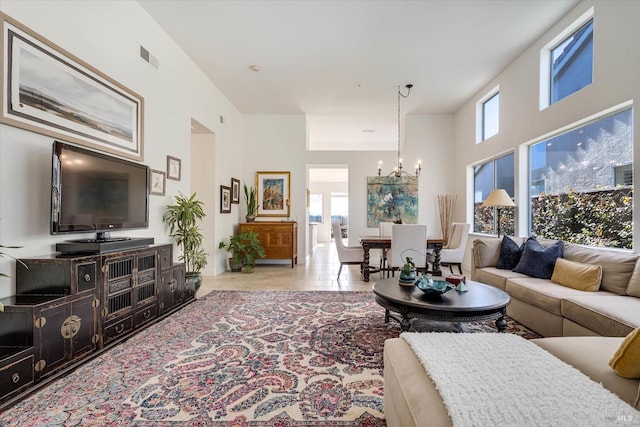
(384, 243)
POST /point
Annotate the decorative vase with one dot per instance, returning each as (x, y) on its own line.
(235, 266)
(407, 278)
(250, 218)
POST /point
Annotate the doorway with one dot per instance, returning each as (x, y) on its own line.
(328, 193)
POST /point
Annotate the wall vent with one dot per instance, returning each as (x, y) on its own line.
(149, 58)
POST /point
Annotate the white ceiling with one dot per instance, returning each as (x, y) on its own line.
(340, 62)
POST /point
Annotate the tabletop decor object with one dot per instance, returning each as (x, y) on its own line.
(407, 273)
(433, 286)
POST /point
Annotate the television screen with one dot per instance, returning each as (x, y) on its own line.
(95, 192)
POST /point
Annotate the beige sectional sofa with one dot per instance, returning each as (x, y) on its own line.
(554, 310)
(412, 400)
(561, 314)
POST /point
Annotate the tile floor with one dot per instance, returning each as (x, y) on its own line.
(318, 273)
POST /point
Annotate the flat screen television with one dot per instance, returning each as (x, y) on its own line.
(93, 192)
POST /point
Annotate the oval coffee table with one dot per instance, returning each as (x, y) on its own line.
(480, 302)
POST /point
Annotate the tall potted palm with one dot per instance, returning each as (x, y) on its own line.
(182, 219)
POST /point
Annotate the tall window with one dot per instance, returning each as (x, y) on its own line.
(490, 117)
(315, 208)
(581, 184)
(571, 63)
(497, 173)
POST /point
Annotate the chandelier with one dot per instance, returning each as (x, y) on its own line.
(397, 170)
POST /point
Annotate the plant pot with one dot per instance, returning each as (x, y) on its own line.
(407, 278)
(193, 280)
(235, 266)
(250, 218)
(249, 269)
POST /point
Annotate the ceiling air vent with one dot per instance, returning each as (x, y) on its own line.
(149, 58)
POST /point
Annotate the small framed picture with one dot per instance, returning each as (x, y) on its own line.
(173, 168)
(157, 182)
(225, 199)
(235, 190)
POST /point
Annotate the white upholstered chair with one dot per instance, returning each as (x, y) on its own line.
(409, 240)
(346, 254)
(453, 253)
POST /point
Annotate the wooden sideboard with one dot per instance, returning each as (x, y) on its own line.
(279, 238)
(69, 308)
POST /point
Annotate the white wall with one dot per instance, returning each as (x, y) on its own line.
(277, 143)
(106, 35)
(616, 80)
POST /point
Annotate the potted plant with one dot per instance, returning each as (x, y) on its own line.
(252, 203)
(408, 272)
(235, 247)
(244, 248)
(182, 219)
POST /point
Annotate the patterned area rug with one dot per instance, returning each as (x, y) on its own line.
(236, 359)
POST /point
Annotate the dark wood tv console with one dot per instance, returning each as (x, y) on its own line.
(69, 308)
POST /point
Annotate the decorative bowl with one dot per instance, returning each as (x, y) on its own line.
(433, 286)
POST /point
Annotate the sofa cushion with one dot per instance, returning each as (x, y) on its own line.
(607, 314)
(485, 252)
(541, 293)
(576, 275)
(510, 253)
(538, 261)
(591, 355)
(634, 283)
(495, 277)
(626, 360)
(617, 267)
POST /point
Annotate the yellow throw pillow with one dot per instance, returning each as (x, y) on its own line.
(576, 275)
(626, 360)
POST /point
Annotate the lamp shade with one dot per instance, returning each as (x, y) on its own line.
(498, 197)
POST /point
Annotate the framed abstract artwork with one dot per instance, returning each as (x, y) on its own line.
(47, 90)
(156, 182)
(273, 190)
(391, 199)
(225, 199)
(235, 190)
(173, 168)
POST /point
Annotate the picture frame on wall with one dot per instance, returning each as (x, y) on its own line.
(47, 90)
(174, 168)
(225, 199)
(273, 190)
(157, 182)
(235, 191)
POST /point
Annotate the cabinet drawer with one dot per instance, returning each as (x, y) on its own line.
(166, 257)
(118, 328)
(16, 376)
(86, 277)
(145, 314)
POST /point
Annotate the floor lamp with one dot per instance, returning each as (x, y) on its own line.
(499, 198)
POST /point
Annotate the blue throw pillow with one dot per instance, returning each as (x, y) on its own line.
(510, 254)
(537, 261)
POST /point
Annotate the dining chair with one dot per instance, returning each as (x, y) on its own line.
(408, 240)
(386, 228)
(453, 253)
(349, 255)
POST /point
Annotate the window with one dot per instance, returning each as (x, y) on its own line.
(315, 208)
(488, 115)
(497, 173)
(340, 208)
(490, 118)
(587, 184)
(566, 63)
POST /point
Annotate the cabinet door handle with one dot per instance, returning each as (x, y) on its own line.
(121, 329)
(15, 378)
(146, 314)
(87, 277)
